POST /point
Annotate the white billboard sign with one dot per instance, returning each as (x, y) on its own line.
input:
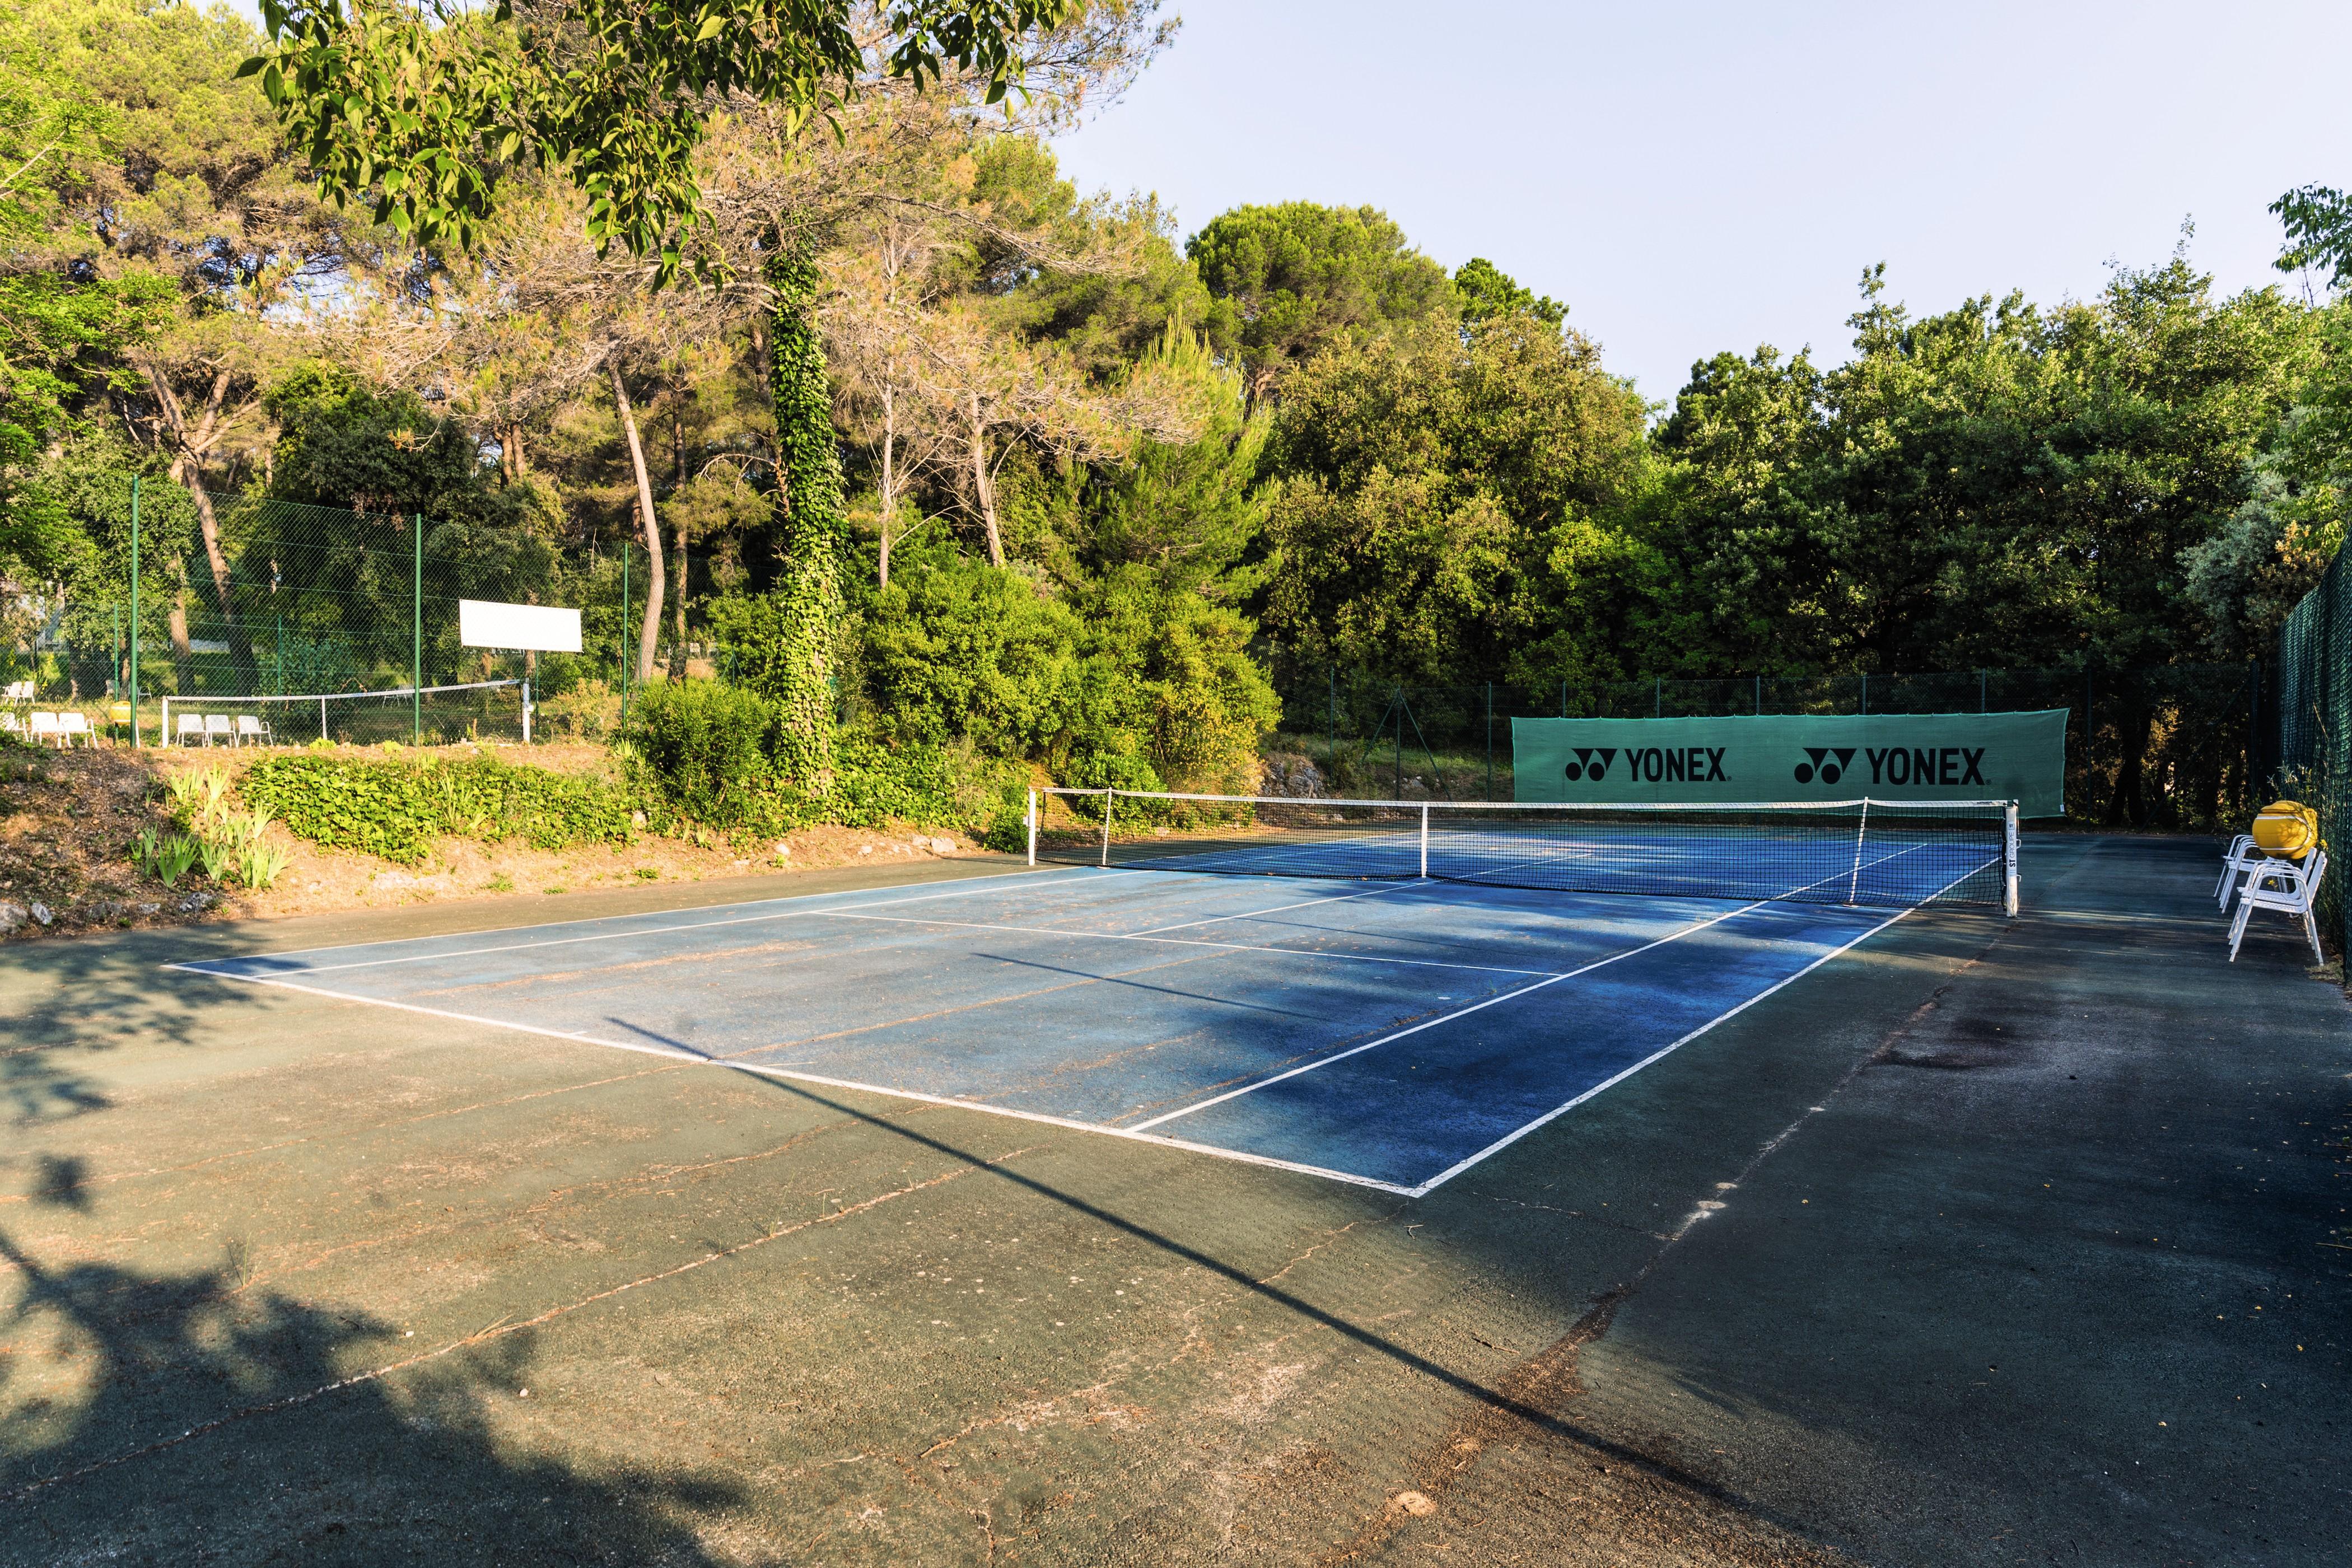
(483, 624)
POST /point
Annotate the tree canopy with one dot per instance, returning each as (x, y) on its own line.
(898, 425)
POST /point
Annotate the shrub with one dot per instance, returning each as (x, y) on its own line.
(397, 809)
(705, 744)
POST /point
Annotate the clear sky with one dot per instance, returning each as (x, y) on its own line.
(1690, 178)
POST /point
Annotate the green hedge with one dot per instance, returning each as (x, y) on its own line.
(397, 809)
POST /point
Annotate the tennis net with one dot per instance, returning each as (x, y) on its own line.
(433, 715)
(1885, 854)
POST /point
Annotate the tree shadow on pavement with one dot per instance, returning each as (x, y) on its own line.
(179, 1418)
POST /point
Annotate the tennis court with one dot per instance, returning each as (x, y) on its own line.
(1387, 1029)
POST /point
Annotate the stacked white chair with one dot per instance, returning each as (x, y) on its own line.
(2287, 886)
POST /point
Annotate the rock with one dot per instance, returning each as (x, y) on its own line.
(149, 909)
(102, 908)
(1417, 1504)
(12, 915)
(195, 902)
(41, 913)
(866, 849)
(783, 853)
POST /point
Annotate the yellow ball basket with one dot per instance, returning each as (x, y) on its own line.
(2286, 829)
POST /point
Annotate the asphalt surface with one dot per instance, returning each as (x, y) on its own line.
(1951, 1252)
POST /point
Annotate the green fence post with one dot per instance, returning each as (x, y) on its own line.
(1490, 739)
(1331, 757)
(417, 645)
(134, 610)
(625, 631)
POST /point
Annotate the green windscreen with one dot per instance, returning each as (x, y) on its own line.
(1796, 757)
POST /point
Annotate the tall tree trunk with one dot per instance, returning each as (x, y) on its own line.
(677, 483)
(656, 578)
(889, 479)
(180, 647)
(795, 668)
(983, 485)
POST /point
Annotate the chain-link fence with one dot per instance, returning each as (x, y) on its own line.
(2169, 746)
(192, 595)
(2315, 727)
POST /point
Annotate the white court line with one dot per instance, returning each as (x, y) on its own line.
(1554, 980)
(1504, 1141)
(1303, 904)
(1460, 1013)
(693, 1059)
(197, 966)
(1182, 942)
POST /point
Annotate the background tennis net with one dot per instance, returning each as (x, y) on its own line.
(1886, 854)
(436, 715)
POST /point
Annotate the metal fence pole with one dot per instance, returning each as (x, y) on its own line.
(624, 637)
(1658, 697)
(1490, 739)
(1398, 788)
(1331, 757)
(417, 645)
(135, 611)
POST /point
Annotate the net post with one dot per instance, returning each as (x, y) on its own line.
(1861, 826)
(1108, 792)
(2008, 856)
(1424, 838)
(1031, 819)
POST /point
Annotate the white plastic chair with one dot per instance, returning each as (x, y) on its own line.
(2234, 864)
(191, 729)
(71, 724)
(250, 728)
(2286, 886)
(45, 727)
(8, 723)
(218, 724)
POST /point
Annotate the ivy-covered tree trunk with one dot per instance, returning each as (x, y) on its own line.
(798, 672)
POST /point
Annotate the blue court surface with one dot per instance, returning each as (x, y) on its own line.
(1391, 1035)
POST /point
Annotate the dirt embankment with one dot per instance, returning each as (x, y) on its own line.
(67, 820)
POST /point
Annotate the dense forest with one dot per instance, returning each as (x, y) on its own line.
(1098, 479)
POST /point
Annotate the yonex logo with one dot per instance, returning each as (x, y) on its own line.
(1831, 772)
(1586, 763)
